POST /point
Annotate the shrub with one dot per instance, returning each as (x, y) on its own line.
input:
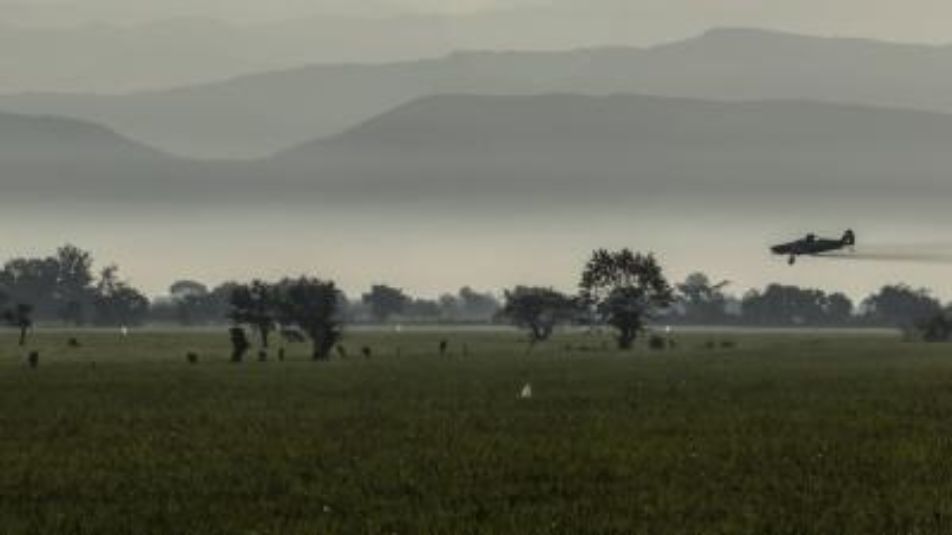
(658, 343)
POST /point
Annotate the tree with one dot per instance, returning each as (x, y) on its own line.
(194, 304)
(20, 317)
(449, 307)
(239, 343)
(702, 301)
(901, 306)
(539, 310)
(255, 305)
(477, 306)
(33, 280)
(624, 290)
(937, 328)
(73, 282)
(839, 309)
(58, 286)
(385, 301)
(786, 305)
(186, 288)
(313, 306)
(118, 303)
(423, 309)
(219, 301)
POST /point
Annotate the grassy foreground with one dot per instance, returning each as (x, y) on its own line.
(782, 434)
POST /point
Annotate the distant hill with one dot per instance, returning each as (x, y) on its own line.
(54, 159)
(625, 147)
(30, 138)
(77, 51)
(114, 58)
(477, 151)
(255, 115)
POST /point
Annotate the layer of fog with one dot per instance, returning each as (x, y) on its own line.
(430, 249)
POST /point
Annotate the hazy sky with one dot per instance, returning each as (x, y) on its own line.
(911, 20)
(430, 255)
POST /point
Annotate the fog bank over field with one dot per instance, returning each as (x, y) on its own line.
(428, 249)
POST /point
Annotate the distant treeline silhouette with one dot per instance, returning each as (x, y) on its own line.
(619, 289)
(63, 288)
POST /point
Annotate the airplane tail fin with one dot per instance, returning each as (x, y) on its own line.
(849, 238)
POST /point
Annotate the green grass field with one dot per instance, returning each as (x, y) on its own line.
(782, 434)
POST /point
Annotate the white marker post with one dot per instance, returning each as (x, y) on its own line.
(526, 392)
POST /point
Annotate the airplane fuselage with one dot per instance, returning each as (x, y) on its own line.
(811, 245)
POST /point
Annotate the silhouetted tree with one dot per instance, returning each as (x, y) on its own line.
(255, 305)
(239, 343)
(184, 288)
(937, 328)
(624, 289)
(785, 305)
(20, 317)
(423, 309)
(385, 301)
(73, 284)
(477, 306)
(194, 304)
(449, 307)
(701, 300)
(839, 309)
(469, 305)
(539, 310)
(901, 306)
(33, 280)
(118, 303)
(219, 301)
(58, 286)
(313, 306)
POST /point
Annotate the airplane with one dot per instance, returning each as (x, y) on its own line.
(811, 245)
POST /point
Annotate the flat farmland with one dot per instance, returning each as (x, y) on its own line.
(726, 433)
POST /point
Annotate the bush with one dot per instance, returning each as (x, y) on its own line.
(658, 343)
(938, 328)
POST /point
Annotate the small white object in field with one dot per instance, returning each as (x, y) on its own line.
(526, 392)
(667, 329)
(398, 328)
(124, 330)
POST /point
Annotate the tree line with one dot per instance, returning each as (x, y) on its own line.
(63, 287)
(191, 303)
(695, 301)
(620, 289)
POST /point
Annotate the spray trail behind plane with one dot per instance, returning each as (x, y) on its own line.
(922, 253)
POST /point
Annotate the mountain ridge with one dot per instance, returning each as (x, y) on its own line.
(257, 115)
